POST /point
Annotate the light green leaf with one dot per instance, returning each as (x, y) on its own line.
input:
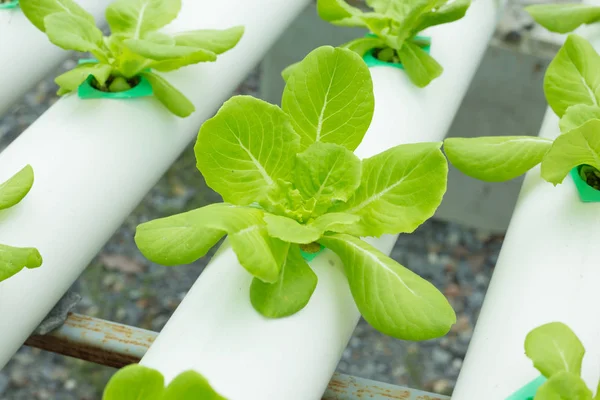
(155, 37)
(213, 40)
(135, 382)
(597, 396)
(335, 222)
(496, 158)
(137, 17)
(553, 348)
(14, 259)
(287, 71)
(327, 172)
(290, 230)
(420, 67)
(392, 8)
(71, 32)
(569, 150)
(449, 12)
(573, 77)
(577, 115)
(400, 189)
(245, 149)
(362, 45)
(190, 385)
(339, 12)
(564, 386)
(71, 80)
(169, 96)
(164, 52)
(183, 238)
(329, 98)
(37, 10)
(16, 188)
(563, 18)
(282, 198)
(290, 293)
(393, 299)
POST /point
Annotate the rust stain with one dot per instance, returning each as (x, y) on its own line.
(340, 387)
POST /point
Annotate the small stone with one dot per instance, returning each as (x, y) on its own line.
(442, 386)
(440, 356)
(452, 290)
(70, 384)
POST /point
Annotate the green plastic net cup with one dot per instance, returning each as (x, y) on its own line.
(587, 194)
(9, 5)
(373, 61)
(87, 91)
(528, 391)
(311, 256)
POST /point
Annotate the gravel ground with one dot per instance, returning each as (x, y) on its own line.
(122, 286)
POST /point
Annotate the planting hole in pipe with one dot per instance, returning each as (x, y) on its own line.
(388, 57)
(311, 250)
(117, 88)
(587, 182)
(9, 4)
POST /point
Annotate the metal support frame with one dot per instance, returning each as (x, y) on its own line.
(116, 345)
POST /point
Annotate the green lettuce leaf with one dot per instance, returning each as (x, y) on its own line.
(71, 80)
(564, 386)
(290, 293)
(393, 299)
(327, 172)
(213, 40)
(449, 12)
(137, 17)
(289, 230)
(569, 150)
(245, 149)
(164, 52)
(16, 188)
(573, 76)
(36, 11)
(190, 385)
(135, 382)
(339, 12)
(71, 32)
(14, 259)
(577, 115)
(169, 96)
(329, 97)
(496, 158)
(183, 238)
(362, 45)
(420, 67)
(400, 189)
(553, 348)
(563, 18)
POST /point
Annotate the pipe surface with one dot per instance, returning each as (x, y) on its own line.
(94, 160)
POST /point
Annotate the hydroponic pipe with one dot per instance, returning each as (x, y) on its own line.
(94, 160)
(26, 53)
(547, 271)
(245, 356)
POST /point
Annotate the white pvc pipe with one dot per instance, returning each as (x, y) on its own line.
(215, 330)
(548, 270)
(26, 53)
(94, 160)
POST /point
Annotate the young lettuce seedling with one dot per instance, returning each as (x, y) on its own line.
(290, 181)
(396, 23)
(558, 354)
(14, 259)
(564, 18)
(572, 88)
(135, 49)
(136, 382)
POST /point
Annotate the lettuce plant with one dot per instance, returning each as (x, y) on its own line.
(290, 181)
(564, 18)
(14, 259)
(134, 50)
(558, 354)
(572, 89)
(136, 382)
(395, 24)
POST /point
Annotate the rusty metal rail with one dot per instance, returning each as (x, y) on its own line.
(116, 345)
